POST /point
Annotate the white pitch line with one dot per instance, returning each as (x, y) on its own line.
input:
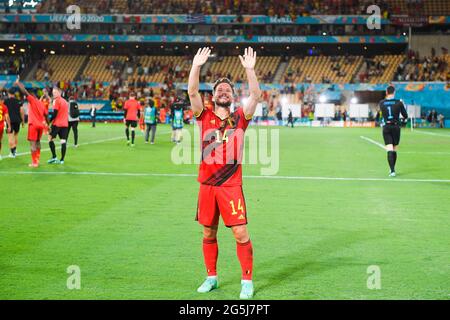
(190, 175)
(374, 142)
(433, 134)
(81, 144)
(426, 152)
(407, 152)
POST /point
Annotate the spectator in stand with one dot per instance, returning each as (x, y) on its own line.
(441, 120)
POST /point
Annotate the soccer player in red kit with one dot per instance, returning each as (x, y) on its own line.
(37, 122)
(220, 173)
(45, 99)
(4, 116)
(60, 126)
(132, 108)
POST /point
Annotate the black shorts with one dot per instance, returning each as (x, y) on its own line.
(15, 127)
(391, 134)
(61, 132)
(132, 123)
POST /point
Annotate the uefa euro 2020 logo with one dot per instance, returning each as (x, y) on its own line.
(26, 4)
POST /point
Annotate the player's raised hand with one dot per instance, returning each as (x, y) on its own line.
(249, 58)
(201, 57)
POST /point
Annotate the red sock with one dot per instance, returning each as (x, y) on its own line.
(33, 157)
(245, 256)
(38, 155)
(210, 253)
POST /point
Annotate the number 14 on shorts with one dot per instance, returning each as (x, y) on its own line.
(239, 207)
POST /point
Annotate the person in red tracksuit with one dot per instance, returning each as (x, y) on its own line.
(37, 123)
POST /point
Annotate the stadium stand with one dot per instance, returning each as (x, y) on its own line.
(323, 69)
(278, 8)
(416, 7)
(59, 67)
(157, 68)
(230, 67)
(429, 68)
(380, 69)
(104, 68)
(309, 69)
(11, 65)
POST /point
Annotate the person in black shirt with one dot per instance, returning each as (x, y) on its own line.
(290, 119)
(74, 119)
(16, 115)
(390, 110)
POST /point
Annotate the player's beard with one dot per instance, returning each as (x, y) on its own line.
(224, 104)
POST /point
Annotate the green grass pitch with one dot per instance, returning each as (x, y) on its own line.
(134, 236)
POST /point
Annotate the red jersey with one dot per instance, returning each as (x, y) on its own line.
(3, 113)
(132, 106)
(222, 147)
(36, 112)
(62, 118)
(46, 103)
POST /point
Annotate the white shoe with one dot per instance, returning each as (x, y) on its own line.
(12, 155)
(209, 284)
(247, 289)
(392, 174)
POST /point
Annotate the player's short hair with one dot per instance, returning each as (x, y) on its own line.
(11, 91)
(150, 102)
(223, 80)
(132, 94)
(57, 88)
(390, 90)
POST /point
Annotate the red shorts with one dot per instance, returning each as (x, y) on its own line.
(229, 202)
(2, 129)
(34, 133)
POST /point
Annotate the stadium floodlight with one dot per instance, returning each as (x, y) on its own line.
(52, 52)
(2, 50)
(323, 99)
(354, 100)
(324, 33)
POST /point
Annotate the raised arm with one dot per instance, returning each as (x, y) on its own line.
(194, 77)
(248, 62)
(21, 87)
